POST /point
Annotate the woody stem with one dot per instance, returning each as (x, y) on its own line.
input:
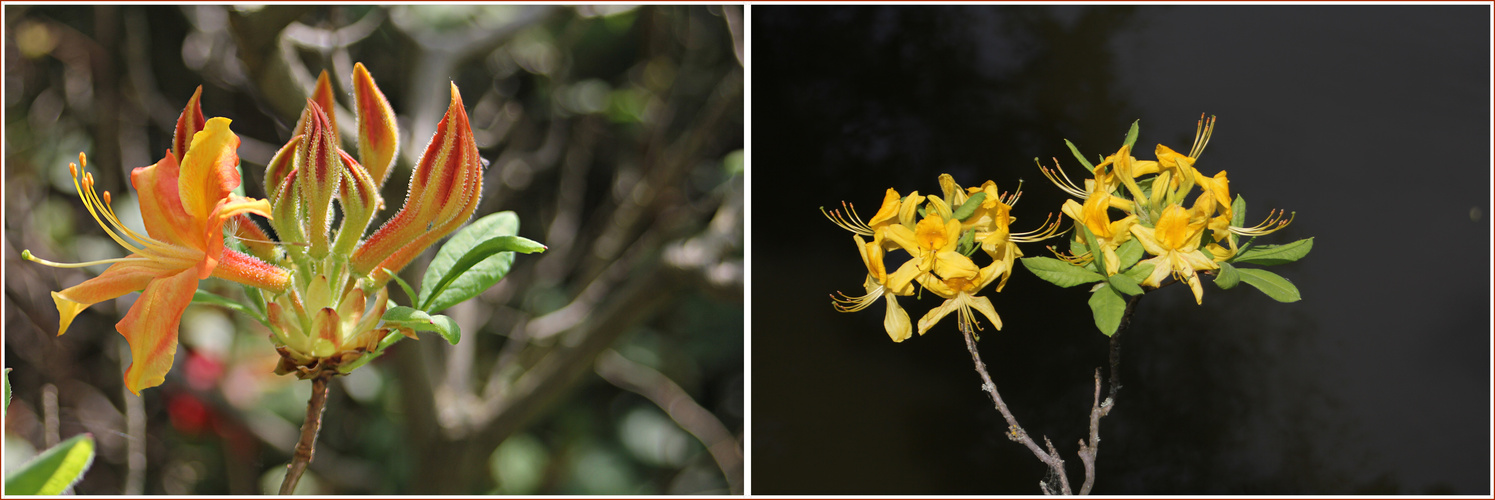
(309, 429)
(1015, 432)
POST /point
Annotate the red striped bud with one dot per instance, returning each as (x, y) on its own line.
(378, 135)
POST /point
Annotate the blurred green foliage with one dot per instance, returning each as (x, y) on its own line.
(615, 133)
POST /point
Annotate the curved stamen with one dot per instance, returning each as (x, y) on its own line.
(1272, 224)
(1046, 231)
(1078, 260)
(1202, 134)
(1012, 200)
(1067, 185)
(849, 221)
(847, 303)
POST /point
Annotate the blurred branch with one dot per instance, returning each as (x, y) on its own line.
(684, 410)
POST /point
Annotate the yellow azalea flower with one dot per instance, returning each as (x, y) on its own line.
(184, 208)
(1175, 242)
(960, 296)
(932, 244)
(1061, 179)
(896, 321)
(895, 209)
(1000, 243)
(1109, 235)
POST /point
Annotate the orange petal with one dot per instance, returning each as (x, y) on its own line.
(151, 329)
(188, 124)
(119, 279)
(378, 134)
(208, 171)
(160, 203)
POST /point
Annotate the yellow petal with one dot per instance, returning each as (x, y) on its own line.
(896, 321)
(983, 304)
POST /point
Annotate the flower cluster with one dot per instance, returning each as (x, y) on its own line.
(938, 235)
(1184, 238)
(320, 289)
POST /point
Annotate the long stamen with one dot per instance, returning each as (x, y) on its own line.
(847, 303)
(26, 255)
(85, 193)
(1272, 224)
(1066, 184)
(1201, 136)
(851, 223)
(1046, 231)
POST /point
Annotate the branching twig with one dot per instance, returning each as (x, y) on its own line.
(309, 429)
(1015, 432)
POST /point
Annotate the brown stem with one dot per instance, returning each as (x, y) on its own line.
(1015, 432)
(309, 430)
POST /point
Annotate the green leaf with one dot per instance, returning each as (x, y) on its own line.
(447, 328)
(1077, 244)
(1125, 284)
(474, 260)
(1059, 272)
(1108, 307)
(1129, 253)
(1139, 273)
(1098, 263)
(1227, 277)
(1078, 156)
(1131, 135)
(55, 470)
(969, 207)
(1238, 212)
(202, 297)
(967, 245)
(1271, 255)
(6, 379)
(1276, 287)
(421, 321)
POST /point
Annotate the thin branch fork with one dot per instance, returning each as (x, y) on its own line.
(1050, 457)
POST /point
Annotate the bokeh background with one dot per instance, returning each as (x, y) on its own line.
(1371, 122)
(610, 364)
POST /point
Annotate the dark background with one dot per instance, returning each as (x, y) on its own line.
(1371, 122)
(610, 364)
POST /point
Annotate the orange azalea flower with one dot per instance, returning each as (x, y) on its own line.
(184, 209)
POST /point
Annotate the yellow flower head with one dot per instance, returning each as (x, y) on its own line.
(1175, 242)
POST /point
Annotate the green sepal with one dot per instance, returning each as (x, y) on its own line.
(1227, 278)
(1108, 307)
(1078, 156)
(968, 208)
(55, 470)
(1060, 272)
(1271, 255)
(1276, 287)
(1125, 284)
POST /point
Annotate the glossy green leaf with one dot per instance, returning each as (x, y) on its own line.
(1227, 278)
(1059, 272)
(1108, 307)
(1125, 284)
(968, 208)
(1276, 287)
(474, 260)
(1078, 156)
(55, 470)
(1131, 135)
(447, 328)
(1271, 255)
(421, 321)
